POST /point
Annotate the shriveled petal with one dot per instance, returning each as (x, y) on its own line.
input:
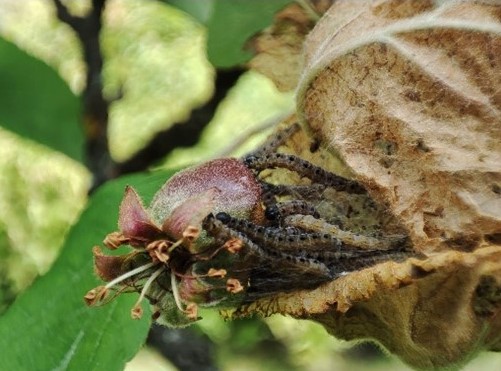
(190, 213)
(107, 267)
(134, 221)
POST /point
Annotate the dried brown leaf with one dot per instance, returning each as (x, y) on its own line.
(408, 95)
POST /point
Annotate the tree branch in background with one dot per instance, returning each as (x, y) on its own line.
(186, 349)
(96, 106)
(98, 158)
(184, 134)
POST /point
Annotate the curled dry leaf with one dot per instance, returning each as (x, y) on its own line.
(408, 96)
(432, 313)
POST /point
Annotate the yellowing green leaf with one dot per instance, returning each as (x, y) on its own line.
(49, 327)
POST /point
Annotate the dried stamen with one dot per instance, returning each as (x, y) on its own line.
(190, 234)
(159, 250)
(234, 286)
(95, 295)
(137, 312)
(218, 273)
(114, 240)
(191, 311)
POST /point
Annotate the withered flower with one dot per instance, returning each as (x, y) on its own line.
(167, 240)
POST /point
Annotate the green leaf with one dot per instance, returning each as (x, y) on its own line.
(200, 10)
(49, 327)
(230, 23)
(37, 103)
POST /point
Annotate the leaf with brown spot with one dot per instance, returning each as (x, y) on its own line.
(408, 95)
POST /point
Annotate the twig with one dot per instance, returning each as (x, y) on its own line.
(95, 105)
(185, 348)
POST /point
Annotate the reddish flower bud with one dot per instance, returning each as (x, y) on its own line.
(238, 192)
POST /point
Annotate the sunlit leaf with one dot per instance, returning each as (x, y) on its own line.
(200, 10)
(49, 327)
(37, 103)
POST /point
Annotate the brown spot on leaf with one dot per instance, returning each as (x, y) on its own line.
(493, 238)
(487, 300)
(464, 242)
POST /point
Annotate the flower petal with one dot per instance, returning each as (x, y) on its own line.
(134, 222)
(107, 267)
(190, 213)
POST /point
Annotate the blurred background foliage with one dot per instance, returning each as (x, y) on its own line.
(155, 58)
(156, 64)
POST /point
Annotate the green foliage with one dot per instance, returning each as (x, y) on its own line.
(52, 309)
(156, 54)
(200, 10)
(230, 24)
(43, 193)
(37, 103)
(7, 294)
